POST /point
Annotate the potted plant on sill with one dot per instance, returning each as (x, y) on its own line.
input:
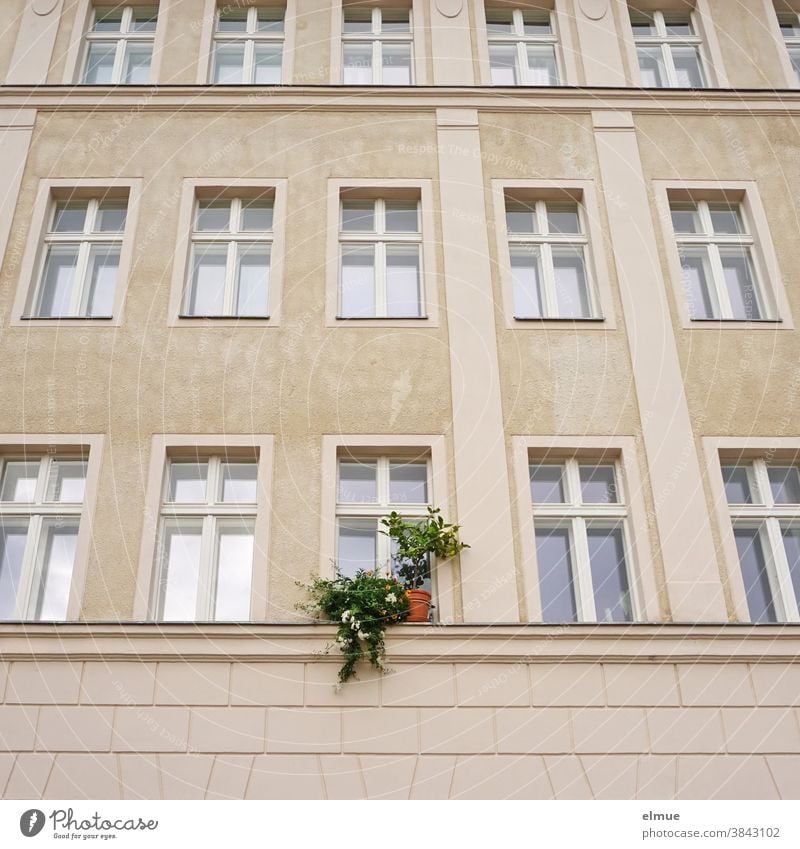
(414, 543)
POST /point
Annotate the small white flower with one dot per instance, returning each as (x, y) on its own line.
(345, 616)
(362, 635)
(354, 625)
(391, 598)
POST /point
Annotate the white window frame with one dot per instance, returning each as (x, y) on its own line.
(667, 42)
(249, 38)
(123, 38)
(520, 41)
(377, 39)
(791, 42)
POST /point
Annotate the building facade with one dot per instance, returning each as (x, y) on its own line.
(272, 270)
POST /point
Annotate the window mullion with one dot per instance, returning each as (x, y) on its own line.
(213, 482)
(205, 572)
(761, 477)
(669, 64)
(119, 58)
(382, 473)
(248, 72)
(27, 593)
(522, 63)
(80, 289)
(661, 26)
(548, 281)
(381, 309)
(718, 274)
(583, 571)
(228, 300)
(782, 573)
(40, 490)
(377, 62)
(252, 19)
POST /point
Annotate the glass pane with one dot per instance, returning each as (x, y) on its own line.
(357, 64)
(754, 573)
(357, 547)
(794, 58)
(499, 21)
(651, 67)
(570, 279)
(790, 26)
(402, 281)
(685, 218)
(598, 485)
(19, 480)
(187, 482)
(396, 64)
(503, 64)
(642, 24)
(408, 483)
(252, 281)
(358, 483)
(785, 484)
(257, 215)
(239, 482)
(229, 64)
(696, 277)
(401, 217)
(526, 276)
(737, 485)
(57, 555)
(358, 216)
(521, 218)
(234, 572)
(213, 216)
(678, 25)
(111, 215)
(57, 281)
(725, 219)
(541, 65)
(144, 19)
(137, 64)
(70, 217)
(102, 276)
(535, 23)
(100, 63)
(687, 67)
(357, 20)
(358, 280)
(395, 20)
(268, 64)
(270, 19)
(207, 294)
(791, 545)
(13, 536)
(547, 484)
(609, 575)
(232, 20)
(554, 563)
(67, 481)
(740, 282)
(563, 218)
(109, 20)
(180, 571)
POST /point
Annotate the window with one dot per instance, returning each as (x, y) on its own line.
(522, 47)
(547, 250)
(380, 245)
(764, 501)
(119, 45)
(377, 46)
(367, 490)
(230, 257)
(668, 49)
(80, 259)
(204, 559)
(41, 499)
(715, 250)
(248, 46)
(790, 29)
(580, 516)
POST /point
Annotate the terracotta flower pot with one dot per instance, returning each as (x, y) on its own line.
(419, 602)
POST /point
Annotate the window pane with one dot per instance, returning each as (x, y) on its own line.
(401, 217)
(754, 573)
(145, 19)
(358, 216)
(13, 536)
(257, 216)
(785, 484)
(180, 571)
(187, 482)
(358, 280)
(357, 64)
(499, 21)
(252, 281)
(229, 64)
(687, 67)
(70, 217)
(100, 63)
(19, 481)
(58, 281)
(547, 484)
(651, 67)
(408, 483)
(794, 58)
(208, 280)
(402, 281)
(102, 277)
(521, 218)
(268, 64)
(791, 545)
(67, 481)
(570, 278)
(685, 218)
(503, 64)
(395, 20)
(609, 575)
(396, 64)
(239, 482)
(137, 64)
(232, 20)
(270, 20)
(790, 26)
(111, 215)
(598, 485)
(357, 546)
(554, 562)
(107, 20)
(563, 218)
(737, 485)
(234, 572)
(725, 219)
(526, 277)
(534, 23)
(357, 20)
(696, 277)
(642, 24)
(57, 556)
(678, 25)
(358, 483)
(740, 282)
(541, 65)
(213, 216)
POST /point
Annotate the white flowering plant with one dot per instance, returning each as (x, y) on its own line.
(363, 607)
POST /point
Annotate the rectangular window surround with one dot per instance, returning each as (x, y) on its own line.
(226, 188)
(584, 194)
(194, 445)
(767, 270)
(423, 189)
(562, 26)
(30, 268)
(619, 449)
(90, 447)
(338, 445)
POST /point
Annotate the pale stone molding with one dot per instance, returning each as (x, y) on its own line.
(16, 132)
(36, 38)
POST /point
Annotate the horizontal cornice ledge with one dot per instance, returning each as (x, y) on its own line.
(670, 643)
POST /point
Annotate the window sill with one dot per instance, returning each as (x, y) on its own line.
(381, 317)
(52, 318)
(717, 323)
(593, 319)
(223, 317)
